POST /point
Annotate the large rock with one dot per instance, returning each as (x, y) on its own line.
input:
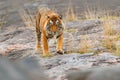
(26, 69)
(102, 73)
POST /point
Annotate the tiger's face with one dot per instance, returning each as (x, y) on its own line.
(54, 26)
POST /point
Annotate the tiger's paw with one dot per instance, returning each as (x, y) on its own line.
(60, 52)
(47, 55)
(38, 50)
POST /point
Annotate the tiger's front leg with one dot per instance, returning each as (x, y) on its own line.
(60, 45)
(38, 33)
(38, 45)
(38, 40)
(45, 45)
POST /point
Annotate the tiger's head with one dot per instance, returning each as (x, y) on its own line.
(55, 26)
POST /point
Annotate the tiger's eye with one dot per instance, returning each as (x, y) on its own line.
(57, 22)
(51, 22)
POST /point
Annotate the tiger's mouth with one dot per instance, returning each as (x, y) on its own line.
(51, 34)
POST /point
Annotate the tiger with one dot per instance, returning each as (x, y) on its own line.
(49, 24)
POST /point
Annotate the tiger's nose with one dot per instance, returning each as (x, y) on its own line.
(54, 32)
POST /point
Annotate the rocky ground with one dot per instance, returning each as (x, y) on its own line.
(17, 42)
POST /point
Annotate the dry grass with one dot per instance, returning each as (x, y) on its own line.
(108, 28)
(108, 43)
(103, 15)
(27, 18)
(70, 14)
(71, 30)
(2, 21)
(112, 44)
(70, 43)
(107, 16)
(117, 45)
(85, 45)
(111, 38)
(108, 31)
(117, 51)
(91, 14)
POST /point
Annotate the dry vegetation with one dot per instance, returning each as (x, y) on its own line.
(108, 28)
(70, 14)
(91, 14)
(85, 45)
(103, 15)
(2, 21)
(111, 37)
(117, 51)
(27, 18)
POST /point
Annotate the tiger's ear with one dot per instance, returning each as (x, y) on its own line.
(60, 16)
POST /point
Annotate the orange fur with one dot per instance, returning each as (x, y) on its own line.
(48, 25)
